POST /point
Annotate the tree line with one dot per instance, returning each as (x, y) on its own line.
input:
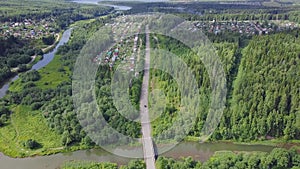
(15, 52)
(262, 78)
(41, 9)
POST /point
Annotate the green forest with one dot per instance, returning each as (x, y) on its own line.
(16, 52)
(51, 96)
(37, 115)
(263, 81)
(266, 86)
(16, 10)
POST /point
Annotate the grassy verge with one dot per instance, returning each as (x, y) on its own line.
(26, 124)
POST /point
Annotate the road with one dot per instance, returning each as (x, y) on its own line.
(148, 148)
(46, 49)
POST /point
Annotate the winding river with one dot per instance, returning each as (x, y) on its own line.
(199, 151)
(47, 58)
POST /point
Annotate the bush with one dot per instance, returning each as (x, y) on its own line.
(32, 144)
(30, 76)
(22, 68)
(48, 40)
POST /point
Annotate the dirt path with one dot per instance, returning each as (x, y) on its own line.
(51, 46)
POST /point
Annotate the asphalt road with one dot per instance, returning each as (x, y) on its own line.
(148, 148)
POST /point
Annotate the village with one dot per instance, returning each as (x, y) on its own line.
(127, 49)
(245, 27)
(128, 43)
(28, 28)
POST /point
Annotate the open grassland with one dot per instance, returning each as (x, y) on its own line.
(53, 74)
(26, 124)
(82, 22)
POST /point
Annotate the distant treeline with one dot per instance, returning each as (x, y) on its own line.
(63, 12)
(214, 10)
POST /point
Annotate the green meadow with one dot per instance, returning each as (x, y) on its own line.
(51, 76)
(26, 124)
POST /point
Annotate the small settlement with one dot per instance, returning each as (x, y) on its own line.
(127, 38)
(28, 28)
(245, 27)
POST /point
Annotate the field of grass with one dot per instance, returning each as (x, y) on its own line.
(51, 76)
(82, 23)
(26, 124)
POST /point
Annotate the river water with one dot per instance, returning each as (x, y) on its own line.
(199, 151)
(116, 7)
(47, 58)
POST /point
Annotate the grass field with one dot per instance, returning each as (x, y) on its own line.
(51, 76)
(26, 124)
(82, 23)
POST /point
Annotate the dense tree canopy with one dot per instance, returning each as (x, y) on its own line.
(267, 86)
(262, 78)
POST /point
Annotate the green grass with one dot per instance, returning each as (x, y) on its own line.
(26, 124)
(82, 23)
(50, 76)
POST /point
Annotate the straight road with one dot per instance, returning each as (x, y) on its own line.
(148, 149)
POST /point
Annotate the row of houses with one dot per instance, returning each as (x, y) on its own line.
(244, 27)
(28, 28)
(122, 31)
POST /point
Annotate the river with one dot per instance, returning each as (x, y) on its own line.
(116, 7)
(47, 58)
(199, 151)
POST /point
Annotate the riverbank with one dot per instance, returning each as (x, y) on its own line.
(51, 47)
(15, 133)
(25, 124)
(272, 142)
(37, 64)
(35, 59)
(25, 121)
(200, 152)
